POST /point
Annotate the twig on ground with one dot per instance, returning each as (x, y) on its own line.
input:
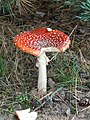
(76, 94)
(73, 30)
(83, 61)
(45, 96)
(85, 109)
(74, 116)
(3, 40)
(40, 106)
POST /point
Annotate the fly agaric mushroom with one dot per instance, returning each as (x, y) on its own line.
(39, 41)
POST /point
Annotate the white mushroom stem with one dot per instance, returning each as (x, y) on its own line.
(42, 62)
(42, 78)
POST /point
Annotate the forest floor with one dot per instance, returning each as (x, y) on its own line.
(68, 96)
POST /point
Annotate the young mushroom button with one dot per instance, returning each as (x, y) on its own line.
(39, 41)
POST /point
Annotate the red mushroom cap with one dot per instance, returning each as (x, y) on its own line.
(40, 31)
(33, 41)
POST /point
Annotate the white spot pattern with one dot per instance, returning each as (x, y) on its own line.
(30, 42)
